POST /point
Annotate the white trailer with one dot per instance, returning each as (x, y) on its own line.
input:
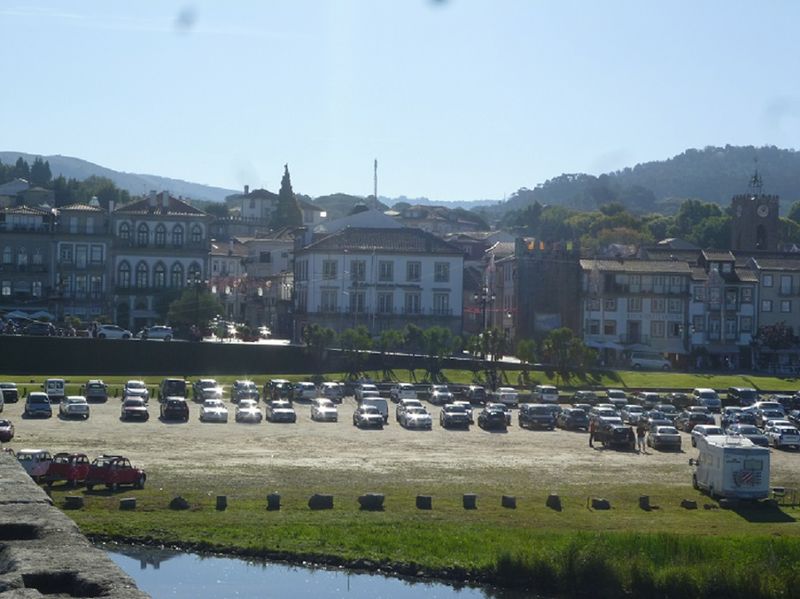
(731, 467)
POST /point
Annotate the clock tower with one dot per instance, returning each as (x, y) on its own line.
(754, 226)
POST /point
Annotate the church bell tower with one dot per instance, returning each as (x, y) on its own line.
(755, 219)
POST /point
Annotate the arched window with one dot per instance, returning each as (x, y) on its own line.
(141, 275)
(125, 231)
(195, 273)
(161, 236)
(159, 275)
(197, 234)
(142, 235)
(22, 256)
(7, 256)
(124, 275)
(177, 236)
(176, 275)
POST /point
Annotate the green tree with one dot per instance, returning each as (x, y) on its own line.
(526, 352)
(794, 212)
(438, 343)
(413, 344)
(21, 170)
(287, 212)
(566, 353)
(355, 344)
(713, 232)
(194, 306)
(317, 339)
(390, 340)
(40, 173)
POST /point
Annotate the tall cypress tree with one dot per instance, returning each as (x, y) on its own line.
(287, 212)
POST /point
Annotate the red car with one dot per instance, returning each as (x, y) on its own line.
(113, 471)
(70, 467)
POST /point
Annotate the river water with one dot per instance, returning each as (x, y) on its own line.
(177, 575)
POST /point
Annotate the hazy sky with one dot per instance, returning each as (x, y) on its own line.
(465, 99)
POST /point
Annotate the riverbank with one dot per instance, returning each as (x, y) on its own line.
(666, 552)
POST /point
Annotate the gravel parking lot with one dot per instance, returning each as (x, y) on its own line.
(317, 452)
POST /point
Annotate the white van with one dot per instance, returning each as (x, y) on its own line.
(379, 403)
(643, 360)
(55, 389)
(731, 467)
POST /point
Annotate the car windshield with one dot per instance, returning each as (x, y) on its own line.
(666, 430)
(369, 409)
(133, 403)
(715, 430)
(632, 409)
(76, 400)
(135, 385)
(213, 403)
(415, 410)
(748, 429)
(456, 409)
(207, 384)
(785, 430)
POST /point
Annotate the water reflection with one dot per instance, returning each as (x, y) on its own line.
(168, 573)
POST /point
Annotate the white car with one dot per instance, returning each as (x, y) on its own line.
(331, 390)
(213, 410)
(361, 388)
(402, 391)
(135, 388)
(34, 461)
(112, 331)
(704, 396)
(507, 396)
(324, 410)
(704, 430)
(206, 389)
(280, 410)
(160, 332)
(468, 407)
(544, 394)
(404, 404)
(416, 417)
(440, 395)
(783, 436)
(304, 390)
(247, 411)
(74, 406)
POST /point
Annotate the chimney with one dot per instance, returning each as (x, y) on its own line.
(151, 198)
(246, 189)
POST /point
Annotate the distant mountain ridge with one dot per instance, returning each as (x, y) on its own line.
(136, 184)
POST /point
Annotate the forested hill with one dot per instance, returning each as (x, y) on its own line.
(711, 174)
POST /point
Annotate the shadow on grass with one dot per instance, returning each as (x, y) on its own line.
(764, 512)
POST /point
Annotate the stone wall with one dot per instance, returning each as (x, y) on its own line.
(42, 552)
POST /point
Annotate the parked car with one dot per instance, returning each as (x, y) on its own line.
(572, 419)
(112, 331)
(280, 410)
(37, 404)
(362, 387)
(704, 430)
(783, 436)
(95, 390)
(787, 401)
(670, 412)
(501, 406)
(678, 399)
(454, 415)
(304, 391)
(664, 437)
(244, 389)
(440, 395)
(467, 406)
(324, 410)
(766, 405)
(175, 408)
(766, 415)
(333, 391)
(70, 467)
(204, 389)
(507, 396)
(277, 389)
(611, 432)
(379, 404)
(158, 332)
(74, 406)
(617, 397)
(641, 360)
(492, 416)
(135, 388)
(416, 417)
(544, 394)
(583, 406)
(171, 387)
(367, 416)
(536, 415)
(730, 415)
(55, 389)
(403, 404)
(742, 396)
(647, 399)
(134, 408)
(6, 431)
(247, 410)
(475, 395)
(400, 391)
(704, 396)
(113, 471)
(586, 397)
(688, 420)
(10, 392)
(39, 329)
(631, 414)
(213, 410)
(794, 417)
(748, 431)
(35, 462)
(598, 412)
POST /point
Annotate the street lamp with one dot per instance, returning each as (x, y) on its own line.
(196, 281)
(485, 297)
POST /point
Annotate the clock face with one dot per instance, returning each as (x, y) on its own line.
(763, 210)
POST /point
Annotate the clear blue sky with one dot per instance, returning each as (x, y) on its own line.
(465, 99)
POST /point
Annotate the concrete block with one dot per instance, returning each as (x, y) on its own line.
(508, 501)
(371, 501)
(553, 502)
(424, 502)
(320, 502)
(644, 502)
(222, 503)
(470, 501)
(598, 503)
(273, 502)
(128, 503)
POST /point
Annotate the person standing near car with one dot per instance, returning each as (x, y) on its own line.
(640, 433)
(592, 428)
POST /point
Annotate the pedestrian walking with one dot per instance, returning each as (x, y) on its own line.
(640, 433)
(592, 426)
